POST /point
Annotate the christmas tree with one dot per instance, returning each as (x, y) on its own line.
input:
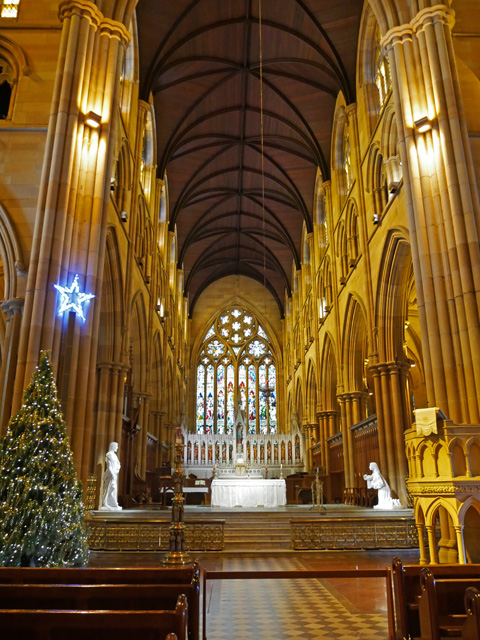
(41, 509)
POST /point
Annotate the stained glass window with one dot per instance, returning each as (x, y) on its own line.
(236, 366)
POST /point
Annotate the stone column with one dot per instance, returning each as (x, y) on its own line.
(381, 428)
(142, 444)
(13, 310)
(71, 218)
(322, 418)
(421, 543)
(443, 208)
(432, 544)
(460, 543)
(346, 412)
(108, 426)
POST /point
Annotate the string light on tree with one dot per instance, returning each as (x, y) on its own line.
(41, 509)
(72, 298)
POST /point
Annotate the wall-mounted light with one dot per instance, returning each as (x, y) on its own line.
(93, 120)
(422, 125)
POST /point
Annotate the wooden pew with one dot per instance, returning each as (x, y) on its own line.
(91, 575)
(471, 627)
(24, 624)
(160, 586)
(407, 590)
(441, 605)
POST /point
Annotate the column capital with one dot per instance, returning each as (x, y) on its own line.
(431, 15)
(115, 29)
(12, 306)
(86, 9)
(82, 8)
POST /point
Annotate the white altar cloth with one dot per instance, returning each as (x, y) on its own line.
(248, 492)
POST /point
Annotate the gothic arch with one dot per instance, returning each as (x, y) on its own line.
(13, 66)
(355, 345)
(328, 376)
(138, 335)
(432, 509)
(311, 393)
(392, 296)
(112, 312)
(157, 375)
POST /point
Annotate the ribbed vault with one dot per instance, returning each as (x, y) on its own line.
(200, 61)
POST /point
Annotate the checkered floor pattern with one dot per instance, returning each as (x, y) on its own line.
(284, 609)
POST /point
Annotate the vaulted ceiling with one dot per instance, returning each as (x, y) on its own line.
(200, 59)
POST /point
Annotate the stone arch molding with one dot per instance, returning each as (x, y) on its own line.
(12, 258)
(471, 501)
(15, 56)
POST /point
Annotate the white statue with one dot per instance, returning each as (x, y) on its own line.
(110, 480)
(378, 482)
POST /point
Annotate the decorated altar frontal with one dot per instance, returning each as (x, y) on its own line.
(248, 492)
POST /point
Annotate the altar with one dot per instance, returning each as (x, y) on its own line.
(248, 492)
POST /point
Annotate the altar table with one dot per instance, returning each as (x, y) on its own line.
(248, 492)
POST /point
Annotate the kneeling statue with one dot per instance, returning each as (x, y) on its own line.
(378, 482)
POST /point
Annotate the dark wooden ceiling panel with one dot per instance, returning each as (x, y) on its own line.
(200, 60)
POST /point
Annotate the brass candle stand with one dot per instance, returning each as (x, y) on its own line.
(177, 553)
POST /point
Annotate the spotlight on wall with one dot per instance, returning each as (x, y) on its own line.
(93, 120)
(123, 216)
(422, 125)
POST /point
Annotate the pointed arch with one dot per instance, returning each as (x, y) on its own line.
(328, 376)
(138, 334)
(311, 393)
(355, 345)
(392, 295)
(112, 312)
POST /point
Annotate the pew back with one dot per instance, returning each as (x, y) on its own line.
(407, 591)
(22, 624)
(91, 575)
(471, 628)
(132, 583)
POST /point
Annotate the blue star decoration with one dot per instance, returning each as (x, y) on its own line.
(71, 298)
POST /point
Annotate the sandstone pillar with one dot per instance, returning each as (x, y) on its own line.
(443, 208)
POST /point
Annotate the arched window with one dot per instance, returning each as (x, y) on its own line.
(9, 8)
(347, 158)
(7, 80)
(236, 368)
(383, 80)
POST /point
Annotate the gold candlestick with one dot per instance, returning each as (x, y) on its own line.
(177, 553)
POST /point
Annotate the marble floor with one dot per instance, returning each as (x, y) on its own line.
(338, 609)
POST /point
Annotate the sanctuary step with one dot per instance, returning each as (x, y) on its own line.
(257, 530)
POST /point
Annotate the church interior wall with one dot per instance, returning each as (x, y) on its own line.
(353, 341)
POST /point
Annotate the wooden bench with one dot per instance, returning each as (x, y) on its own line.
(118, 589)
(24, 624)
(91, 575)
(407, 591)
(441, 605)
(471, 627)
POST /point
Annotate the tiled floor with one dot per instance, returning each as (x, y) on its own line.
(340, 609)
